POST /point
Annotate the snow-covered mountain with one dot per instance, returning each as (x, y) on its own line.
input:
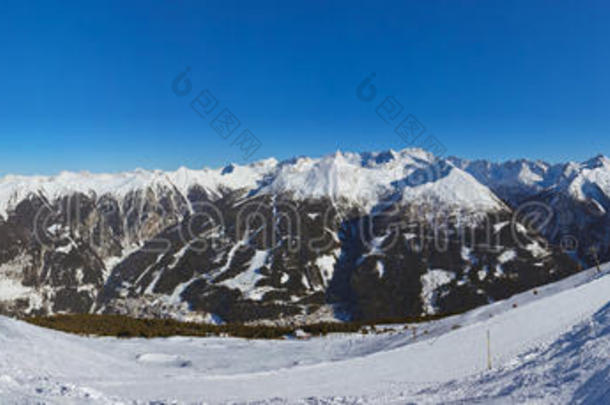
(362, 179)
(517, 180)
(349, 235)
(577, 195)
(14, 189)
(513, 181)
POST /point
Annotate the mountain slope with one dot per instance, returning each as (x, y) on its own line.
(345, 236)
(576, 197)
(550, 346)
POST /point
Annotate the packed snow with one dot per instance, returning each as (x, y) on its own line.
(548, 345)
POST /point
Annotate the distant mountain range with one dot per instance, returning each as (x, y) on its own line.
(346, 236)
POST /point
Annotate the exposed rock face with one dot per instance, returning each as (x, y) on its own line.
(349, 236)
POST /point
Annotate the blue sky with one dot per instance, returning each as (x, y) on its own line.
(88, 85)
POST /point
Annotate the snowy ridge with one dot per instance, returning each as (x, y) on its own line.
(362, 178)
(549, 345)
(14, 189)
(592, 174)
(368, 178)
(520, 178)
(359, 178)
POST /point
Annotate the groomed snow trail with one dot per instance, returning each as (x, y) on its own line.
(551, 346)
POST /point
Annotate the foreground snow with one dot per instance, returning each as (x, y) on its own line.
(554, 346)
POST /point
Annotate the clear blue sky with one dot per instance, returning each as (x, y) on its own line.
(87, 85)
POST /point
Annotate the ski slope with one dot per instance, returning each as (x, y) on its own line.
(552, 346)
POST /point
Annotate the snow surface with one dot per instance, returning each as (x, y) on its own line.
(11, 287)
(326, 265)
(507, 256)
(431, 281)
(549, 345)
(246, 280)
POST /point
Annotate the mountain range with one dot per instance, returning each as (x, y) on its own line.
(348, 236)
